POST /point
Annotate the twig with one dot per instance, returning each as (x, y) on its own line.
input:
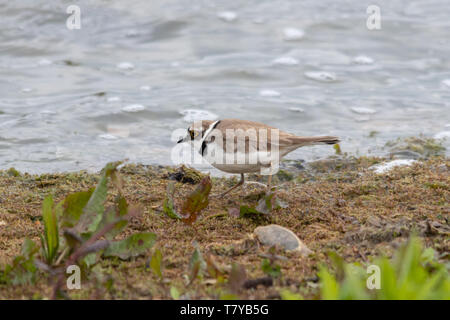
(58, 261)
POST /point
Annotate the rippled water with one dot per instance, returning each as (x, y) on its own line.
(137, 70)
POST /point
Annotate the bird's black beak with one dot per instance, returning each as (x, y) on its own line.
(180, 141)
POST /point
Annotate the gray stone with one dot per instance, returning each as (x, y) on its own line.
(277, 235)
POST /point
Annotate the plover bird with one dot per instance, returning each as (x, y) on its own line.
(241, 146)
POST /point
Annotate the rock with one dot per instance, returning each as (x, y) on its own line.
(277, 235)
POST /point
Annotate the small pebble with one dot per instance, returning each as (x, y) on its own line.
(277, 235)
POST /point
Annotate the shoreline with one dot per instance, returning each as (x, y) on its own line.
(337, 204)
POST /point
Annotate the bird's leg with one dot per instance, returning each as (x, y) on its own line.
(269, 181)
(240, 183)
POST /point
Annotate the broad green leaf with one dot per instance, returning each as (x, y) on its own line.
(73, 206)
(271, 269)
(23, 270)
(51, 234)
(196, 201)
(93, 211)
(156, 262)
(115, 215)
(135, 245)
(168, 204)
(269, 203)
(29, 249)
(174, 293)
(196, 264)
(286, 294)
(330, 288)
(414, 273)
(251, 213)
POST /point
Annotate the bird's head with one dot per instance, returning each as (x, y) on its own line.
(196, 131)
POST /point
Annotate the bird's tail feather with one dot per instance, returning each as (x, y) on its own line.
(306, 141)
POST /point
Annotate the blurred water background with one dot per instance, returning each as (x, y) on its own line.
(138, 70)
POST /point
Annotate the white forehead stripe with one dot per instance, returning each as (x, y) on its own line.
(208, 131)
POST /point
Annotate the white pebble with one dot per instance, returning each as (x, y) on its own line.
(269, 93)
(125, 65)
(27, 90)
(292, 34)
(145, 88)
(363, 60)
(133, 108)
(227, 16)
(321, 76)
(363, 110)
(287, 61)
(113, 99)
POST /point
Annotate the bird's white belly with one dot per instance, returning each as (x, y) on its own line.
(236, 162)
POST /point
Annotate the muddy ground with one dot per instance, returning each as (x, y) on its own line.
(336, 204)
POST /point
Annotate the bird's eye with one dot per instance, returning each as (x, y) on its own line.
(193, 134)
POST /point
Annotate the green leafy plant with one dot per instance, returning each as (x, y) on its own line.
(156, 263)
(269, 263)
(192, 206)
(88, 232)
(23, 269)
(413, 273)
(197, 264)
(50, 239)
(271, 268)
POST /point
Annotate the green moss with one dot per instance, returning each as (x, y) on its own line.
(13, 172)
(283, 175)
(421, 146)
